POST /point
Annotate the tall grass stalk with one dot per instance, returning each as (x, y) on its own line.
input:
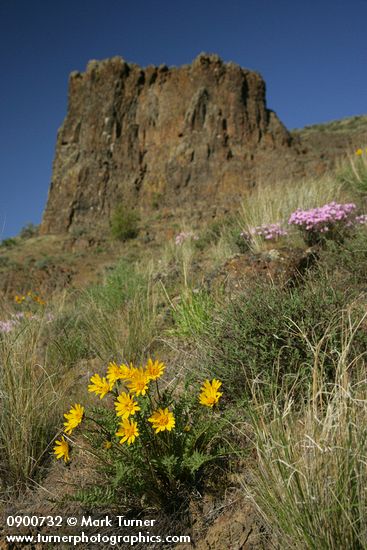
(179, 257)
(311, 477)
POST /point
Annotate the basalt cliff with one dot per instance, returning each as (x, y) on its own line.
(192, 138)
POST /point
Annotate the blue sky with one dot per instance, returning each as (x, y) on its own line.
(311, 53)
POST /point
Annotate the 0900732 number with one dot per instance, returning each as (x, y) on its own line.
(34, 521)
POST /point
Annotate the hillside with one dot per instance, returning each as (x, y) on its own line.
(189, 356)
(335, 138)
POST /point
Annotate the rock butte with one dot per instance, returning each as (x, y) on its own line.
(194, 138)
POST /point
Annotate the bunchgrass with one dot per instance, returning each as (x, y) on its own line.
(120, 318)
(353, 172)
(310, 476)
(193, 313)
(31, 392)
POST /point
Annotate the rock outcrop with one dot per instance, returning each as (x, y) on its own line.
(199, 134)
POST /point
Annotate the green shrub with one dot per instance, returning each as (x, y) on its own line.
(124, 223)
(347, 261)
(28, 231)
(9, 243)
(44, 263)
(254, 337)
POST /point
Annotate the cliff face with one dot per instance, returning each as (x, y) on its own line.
(174, 137)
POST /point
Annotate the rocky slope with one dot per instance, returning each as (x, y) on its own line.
(190, 137)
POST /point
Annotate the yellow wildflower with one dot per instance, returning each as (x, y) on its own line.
(126, 371)
(113, 373)
(128, 431)
(39, 300)
(74, 418)
(209, 393)
(61, 449)
(19, 299)
(125, 405)
(117, 372)
(138, 381)
(162, 419)
(107, 444)
(100, 386)
(359, 152)
(154, 370)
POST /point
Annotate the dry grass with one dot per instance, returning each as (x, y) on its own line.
(311, 482)
(32, 389)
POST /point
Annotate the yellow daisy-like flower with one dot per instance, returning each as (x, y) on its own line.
(128, 431)
(125, 405)
(19, 299)
(61, 449)
(209, 393)
(138, 381)
(38, 300)
(118, 372)
(162, 419)
(359, 152)
(73, 418)
(154, 370)
(126, 370)
(100, 386)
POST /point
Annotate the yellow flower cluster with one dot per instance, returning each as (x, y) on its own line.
(136, 384)
(137, 379)
(359, 152)
(73, 418)
(20, 298)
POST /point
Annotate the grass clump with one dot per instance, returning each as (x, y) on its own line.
(124, 223)
(120, 284)
(31, 391)
(120, 317)
(311, 477)
(192, 313)
(353, 172)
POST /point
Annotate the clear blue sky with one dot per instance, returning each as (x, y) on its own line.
(311, 53)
